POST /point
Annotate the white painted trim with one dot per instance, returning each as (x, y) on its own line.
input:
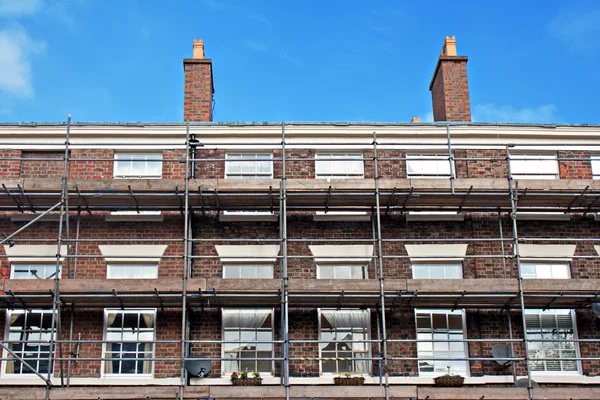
(444, 252)
(29, 253)
(124, 252)
(93, 381)
(134, 218)
(525, 216)
(597, 249)
(247, 217)
(418, 217)
(341, 217)
(343, 253)
(547, 252)
(228, 253)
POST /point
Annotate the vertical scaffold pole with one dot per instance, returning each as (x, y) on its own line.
(380, 262)
(284, 271)
(450, 158)
(64, 217)
(186, 262)
(516, 254)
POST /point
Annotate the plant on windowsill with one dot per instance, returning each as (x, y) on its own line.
(449, 380)
(348, 380)
(242, 379)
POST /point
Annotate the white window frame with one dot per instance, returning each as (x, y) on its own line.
(566, 274)
(424, 158)
(32, 265)
(518, 159)
(364, 268)
(464, 345)
(223, 351)
(33, 363)
(366, 344)
(243, 265)
(322, 157)
(107, 311)
(122, 154)
(132, 265)
(595, 161)
(444, 266)
(258, 155)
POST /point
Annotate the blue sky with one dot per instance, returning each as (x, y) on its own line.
(121, 60)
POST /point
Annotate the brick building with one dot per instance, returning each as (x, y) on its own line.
(395, 252)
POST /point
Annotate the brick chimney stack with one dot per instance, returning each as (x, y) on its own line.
(198, 86)
(449, 86)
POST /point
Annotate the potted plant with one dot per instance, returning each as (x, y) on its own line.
(242, 379)
(449, 380)
(348, 380)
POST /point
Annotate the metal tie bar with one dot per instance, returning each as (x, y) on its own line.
(135, 202)
(462, 295)
(327, 199)
(12, 197)
(201, 200)
(83, 200)
(464, 199)
(271, 198)
(408, 196)
(549, 305)
(118, 299)
(160, 300)
(578, 197)
(26, 198)
(389, 203)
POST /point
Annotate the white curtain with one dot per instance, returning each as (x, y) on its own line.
(149, 321)
(245, 319)
(352, 319)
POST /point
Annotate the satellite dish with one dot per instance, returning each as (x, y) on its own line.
(596, 309)
(522, 383)
(501, 350)
(198, 365)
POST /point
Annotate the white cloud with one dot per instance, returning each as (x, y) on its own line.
(292, 60)
(16, 47)
(507, 113)
(253, 45)
(578, 29)
(16, 8)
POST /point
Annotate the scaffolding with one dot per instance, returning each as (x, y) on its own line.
(192, 197)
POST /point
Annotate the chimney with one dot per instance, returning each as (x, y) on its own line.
(198, 86)
(449, 86)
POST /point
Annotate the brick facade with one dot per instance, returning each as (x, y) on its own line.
(198, 90)
(450, 90)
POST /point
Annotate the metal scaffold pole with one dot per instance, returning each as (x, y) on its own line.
(64, 218)
(380, 263)
(517, 257)
(186, 260)
(285, 373)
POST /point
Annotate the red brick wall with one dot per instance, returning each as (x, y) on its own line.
(198, 90)
(575, 169)
(32, 167)
(86, 164)
(10, 169)
(450, 90)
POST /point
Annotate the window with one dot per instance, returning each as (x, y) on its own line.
(248, 166)
(543, 326)
(248, 271)
(129, 334)
(132, 271)
(341, 271)
(33, 271)
(427, 165)
(244, 329)
(138, 165)
(437, 271)
(534, 166)
(25, 326)
(341, 333)
(434, 330)
(595, 159)
(550, 324)
(339, 165)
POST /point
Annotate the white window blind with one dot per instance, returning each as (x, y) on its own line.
(33, 271)
(427, 165)
(341, 271)
(534, 166)
(248, 166)
(132, 271)
(339, 165)
(437, 271)
(138, 165)
(247, 271)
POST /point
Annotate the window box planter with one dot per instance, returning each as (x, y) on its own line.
(247, 382)
(449, 381)
(349, 380)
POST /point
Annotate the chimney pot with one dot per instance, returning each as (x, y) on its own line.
(449, 48)
(198, 48)
(415, 119)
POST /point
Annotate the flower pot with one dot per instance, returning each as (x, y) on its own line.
(247, 382)
(349, 381)
(449, 381)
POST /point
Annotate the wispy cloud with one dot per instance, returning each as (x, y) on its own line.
(508, 113)
(222, 6)
(16, 48)
(254, 45)
(579, 29)
(291, 60)
(17, 8)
